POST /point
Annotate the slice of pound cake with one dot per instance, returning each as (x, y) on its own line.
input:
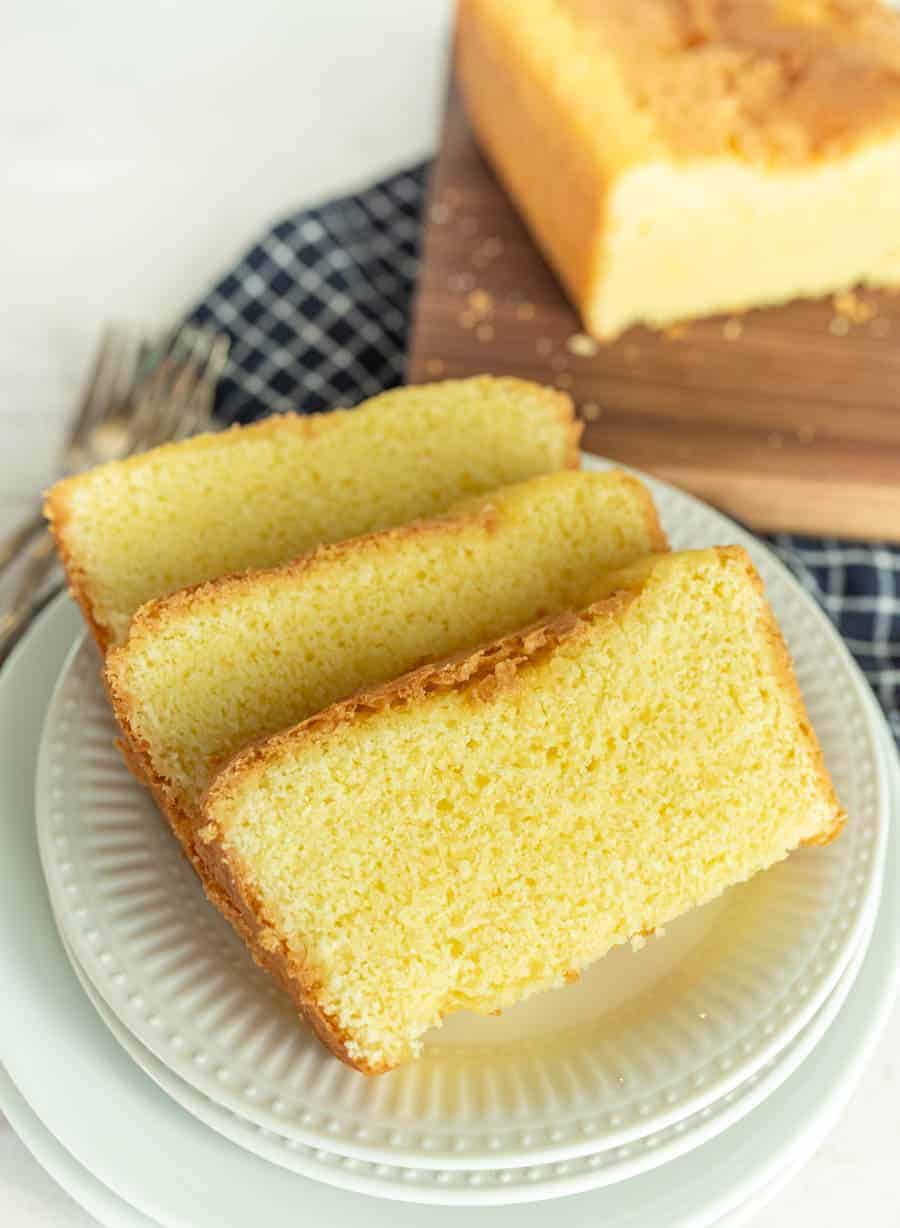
(208, 670)
(257, 496)
(484, 828)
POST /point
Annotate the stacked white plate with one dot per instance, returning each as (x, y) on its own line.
(650, 1058)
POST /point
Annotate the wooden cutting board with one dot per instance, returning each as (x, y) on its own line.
(787, 418)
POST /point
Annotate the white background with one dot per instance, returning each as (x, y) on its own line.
(142, 147)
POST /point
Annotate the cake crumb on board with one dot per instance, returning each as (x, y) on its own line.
(581, 345)
(852, 307)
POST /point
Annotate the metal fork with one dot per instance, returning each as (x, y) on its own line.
(140, 393)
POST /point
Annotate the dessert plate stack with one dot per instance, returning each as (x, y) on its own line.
(633, 1073)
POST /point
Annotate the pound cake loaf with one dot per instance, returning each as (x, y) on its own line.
(256, 496)
(716, 154)
(484, 828)
(206, 671)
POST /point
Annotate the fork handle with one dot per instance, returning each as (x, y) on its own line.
(14, 626)
(15, 542)
(39, 565)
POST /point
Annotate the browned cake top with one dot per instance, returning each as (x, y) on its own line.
(782, 81)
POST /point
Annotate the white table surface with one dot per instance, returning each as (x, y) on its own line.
(141, 148)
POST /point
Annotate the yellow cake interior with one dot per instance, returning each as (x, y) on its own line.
(204, 673)
(734, 235)
(257, 496)
(465, 848)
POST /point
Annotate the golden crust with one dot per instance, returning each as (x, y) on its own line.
(785, 83)
(783, 668)
(237, 902)
(659, 543)
(136, 753)
(784, 671)
(236, 899)
(56, 511)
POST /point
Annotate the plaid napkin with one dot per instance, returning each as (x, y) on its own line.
(318, 312)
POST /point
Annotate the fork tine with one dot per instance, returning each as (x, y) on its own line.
(198, 416)
(168, 391)
(93, 395)
(215, 367)
(204, 342)
(187, 356)
(150, 399)
(171, 388)
(122, 377)
(119, 378)
(190, 383)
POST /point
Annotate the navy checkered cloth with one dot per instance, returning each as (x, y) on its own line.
(318, 312)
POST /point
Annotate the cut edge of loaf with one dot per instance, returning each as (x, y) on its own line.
(483, 673)
(237, 907)
(58, 498)
(57, 508)
(154, 614)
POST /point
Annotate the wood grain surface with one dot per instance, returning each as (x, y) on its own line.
(788, 418)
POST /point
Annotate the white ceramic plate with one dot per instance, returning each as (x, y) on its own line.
(644, 1041)
(113, 1212)
(134, 1139)
(491, 1187)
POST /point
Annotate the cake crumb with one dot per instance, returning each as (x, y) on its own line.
(880, 327)
(732, 329)
(852, 307)
(460, 282)
(839, 326)
(806, 433)
(632, 352)
(490, 249)
(440, 213)
(581, 345)
(480, 302)
(590, 411)
(638, 942)
(675, 332)
(435, 366)
(485, 332)
(544, 346)
(525, 311)
(485, 252)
